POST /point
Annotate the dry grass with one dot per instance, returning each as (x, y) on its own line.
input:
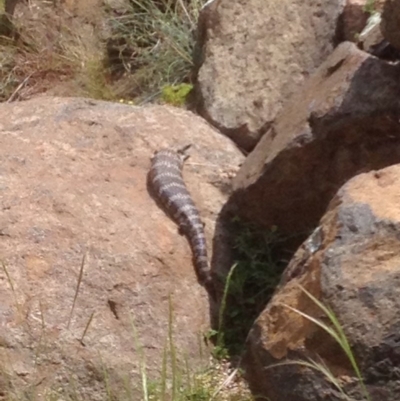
(132, 55)
(53, 53)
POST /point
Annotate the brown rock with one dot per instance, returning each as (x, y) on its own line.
(352, 265)
(73, 183)
(391, 22)
(378, 5)
(354, 18)
(254, 55)
(344, 121)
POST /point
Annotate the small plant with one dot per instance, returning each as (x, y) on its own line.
(249, 285)
(178, 382)
(370, 7)
(176, 95)
(220, 351)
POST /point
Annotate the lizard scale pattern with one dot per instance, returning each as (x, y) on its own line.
(165, 179)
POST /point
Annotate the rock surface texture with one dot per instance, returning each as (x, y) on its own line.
(353, 19)
(390, 24)
(353, 266)
(343, 122)
(73, 183)
(254, 54)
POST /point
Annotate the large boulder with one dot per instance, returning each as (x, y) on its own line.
(254, 54)
(342, 122)
(352, 264)
(72, 192)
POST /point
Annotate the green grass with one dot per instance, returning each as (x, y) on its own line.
(176, 95)
(249, 285)
(336, 332)
(147, 58)
(370, 6)
(153, 43)
(177, 380)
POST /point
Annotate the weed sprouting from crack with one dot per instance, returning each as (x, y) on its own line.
(248, 286)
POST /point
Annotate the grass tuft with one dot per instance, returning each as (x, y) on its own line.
(249, 285)
(142, 54)
(335, 331)
(178, 381)
(154, 42)
(48, 52)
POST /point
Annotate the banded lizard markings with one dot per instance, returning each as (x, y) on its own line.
(166, 181)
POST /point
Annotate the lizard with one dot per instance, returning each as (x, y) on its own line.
(166, 181)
